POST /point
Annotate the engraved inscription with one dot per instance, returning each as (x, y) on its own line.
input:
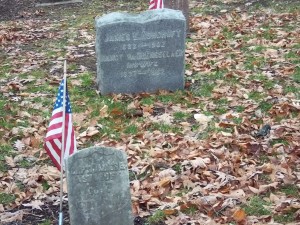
(141, 64)
(105, 168)
(141, 45)
(154, 55)
(117, 37)
(141, 35)
(136, 56)
(148, 71)
(155, 35)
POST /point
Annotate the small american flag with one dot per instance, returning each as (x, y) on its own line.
(53, 141)
(156, 4)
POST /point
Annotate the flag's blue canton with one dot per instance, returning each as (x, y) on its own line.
(59, 98)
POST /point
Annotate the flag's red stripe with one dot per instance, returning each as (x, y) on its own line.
(57, 150)
(55, 126)
(66, 149)
(72, 142)
(56, 115)
(53, 136)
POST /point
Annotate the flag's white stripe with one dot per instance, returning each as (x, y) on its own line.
(53, 152)
(68, 138)
(54, 131)
(57, 110)
(56, 120)
(57, 142)
(74, 143)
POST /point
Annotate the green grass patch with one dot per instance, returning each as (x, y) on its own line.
(158, 217)
(7, 198)
(5, 150)
(296, 75)
(181, 192)
(177, 167)
(265, 106)
(255, 95)
(291, 190)
(164, 128)
(237, 120)
(4, 69)
(25, 163)
(279, 141)
(192, 210)
(292, 89)
(292, 56)
(181, 116)
(255, 206)
(46, 222)
(259, 48)
(240, 108)
(221, 110)
(45, 185)
(147, 101)
(205, 90)
(253, 62)
(228, 34)
(176, 97)
(132, 129)
(110, 128)
(286, 217)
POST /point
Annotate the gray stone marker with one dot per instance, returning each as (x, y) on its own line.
(140, 52)
(98, 187)
(182, 5)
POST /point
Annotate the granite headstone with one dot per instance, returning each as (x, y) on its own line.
(182, 5)
(98, 187)
(140, 52)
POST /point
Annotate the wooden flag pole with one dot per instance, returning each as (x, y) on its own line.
(60, 221)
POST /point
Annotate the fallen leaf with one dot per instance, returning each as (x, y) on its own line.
(36, 204)
(239, 215)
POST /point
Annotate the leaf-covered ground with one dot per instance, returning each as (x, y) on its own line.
(223, 151)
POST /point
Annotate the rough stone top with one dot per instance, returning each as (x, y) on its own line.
(144, 17)
(88, 152)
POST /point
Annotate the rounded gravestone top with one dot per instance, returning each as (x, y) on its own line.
(147, 16)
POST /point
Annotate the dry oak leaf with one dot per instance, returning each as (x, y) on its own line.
(19, 145)
(9, 161)
(203, 120)
(200, 162)
(8, 217)
(90, 131)
(34, 204)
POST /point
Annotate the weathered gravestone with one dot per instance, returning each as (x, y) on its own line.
(140, 52)
(98, 187)
(182, 5)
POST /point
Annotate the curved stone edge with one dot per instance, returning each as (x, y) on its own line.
(144, 17)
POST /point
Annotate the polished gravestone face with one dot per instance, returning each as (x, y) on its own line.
(98, 187)
(140, 52)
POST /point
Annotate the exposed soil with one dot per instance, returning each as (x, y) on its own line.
(15, 9)
(24, 9)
